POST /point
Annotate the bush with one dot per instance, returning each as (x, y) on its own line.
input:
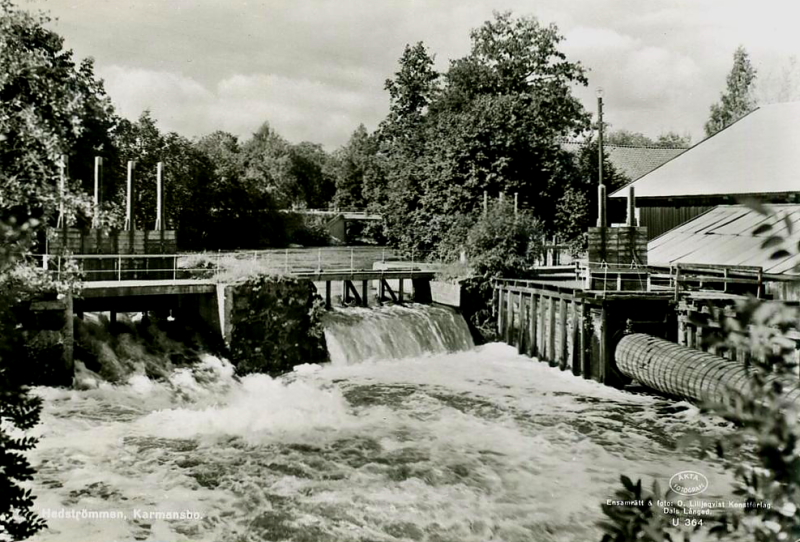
(277, 324)
(503, 243)
(306, 230)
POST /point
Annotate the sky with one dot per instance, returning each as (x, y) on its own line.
(315, 69)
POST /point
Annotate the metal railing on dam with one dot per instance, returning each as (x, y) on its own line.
(106, 267)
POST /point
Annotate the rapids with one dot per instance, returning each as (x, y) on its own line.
(412, 433)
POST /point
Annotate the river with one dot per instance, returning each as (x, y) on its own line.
(411, 433)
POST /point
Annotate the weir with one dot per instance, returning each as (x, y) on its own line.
(394, 332)
(216, 303)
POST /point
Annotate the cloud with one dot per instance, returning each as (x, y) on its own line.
(299, 109)
(315, 69)
(648, 88)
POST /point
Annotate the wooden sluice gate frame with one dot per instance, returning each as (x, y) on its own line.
(566, 325)
(576, 329)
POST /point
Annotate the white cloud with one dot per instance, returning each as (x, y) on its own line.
(299, 109)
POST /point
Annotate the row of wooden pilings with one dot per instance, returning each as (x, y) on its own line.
(575, 329)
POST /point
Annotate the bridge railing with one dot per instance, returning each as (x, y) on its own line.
(118, 267)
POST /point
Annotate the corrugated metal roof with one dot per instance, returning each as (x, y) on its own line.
(723, 236)
(760, 154)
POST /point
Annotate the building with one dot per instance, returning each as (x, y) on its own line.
(755, 157)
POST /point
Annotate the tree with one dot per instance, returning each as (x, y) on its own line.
(311, 170)
(187, 178)
(414, 86)
(353, 165)
(667, 140)
(672, 140)
(49, 106)
(738, 98)
(492, 125)
(243, 214)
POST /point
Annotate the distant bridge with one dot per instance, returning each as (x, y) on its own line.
(338, 219)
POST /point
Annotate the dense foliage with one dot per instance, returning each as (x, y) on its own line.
(276, 325)
(667, 140)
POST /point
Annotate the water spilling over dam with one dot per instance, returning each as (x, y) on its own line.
(411, 433)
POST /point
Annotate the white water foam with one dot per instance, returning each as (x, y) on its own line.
(472, 445)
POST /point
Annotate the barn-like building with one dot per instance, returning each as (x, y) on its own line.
(756, 157)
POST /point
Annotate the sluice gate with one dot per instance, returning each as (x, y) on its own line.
(683, 372)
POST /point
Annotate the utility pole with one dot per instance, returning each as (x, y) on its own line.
(601, 188)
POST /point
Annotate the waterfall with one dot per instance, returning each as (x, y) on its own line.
(394, 332)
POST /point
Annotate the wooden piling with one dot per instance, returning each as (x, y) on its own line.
(521, 327)
(605, 343)
(534, 316)
(500, 312)
(575, 358)
(551, 333)
(328, 295)
(365, 293)
(542, 354)
(562, 329)
(509, 318)
(400, 292)
(586, 342)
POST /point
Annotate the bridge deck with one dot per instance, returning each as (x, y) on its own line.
(131, 288)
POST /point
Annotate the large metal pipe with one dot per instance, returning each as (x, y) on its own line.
(683, 372)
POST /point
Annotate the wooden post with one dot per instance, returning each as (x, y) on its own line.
(400, 292)
(551, 334)
(522, 327)
(159, 196)
(542, 354)
(586, 359)
(380, 291)
(604, 343)
(500, 312)
(365, 293)
(345, 293)
(129, 226)
(562, 328)
(534, 317)
(631, 218)
(509, 318)
(601, 203)
(575, 339)
(328, 296)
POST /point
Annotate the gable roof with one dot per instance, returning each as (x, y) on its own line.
(723, 236)
(758, 154)
(633, 162)
(630, 161)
